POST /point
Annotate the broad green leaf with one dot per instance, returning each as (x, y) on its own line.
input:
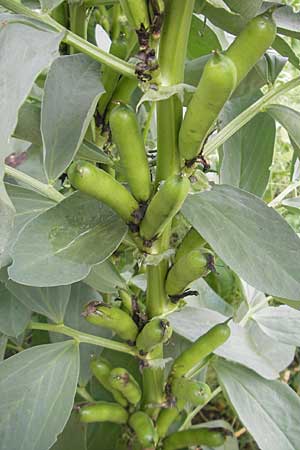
(105, 278)
(270, 410)
(28, 129)
(247, 8)
(37, 389)
(287, 20)
(3, 342)
(251, 238)
(207, 298)
(28, 125)
(28, 204)
(74, 435)
(6, 223)
(281, 323)
(72, 90)
(284, 49)
(25, 51)
(192, 322)
(202, 40)
(105, 434)
(289, 118)
(48, 5)
(62, 244)
(14, 316)
(48, 301)
(248, 154)
(81, 294)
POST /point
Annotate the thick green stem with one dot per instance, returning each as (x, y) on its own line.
(84, 337)
(172, 53)
(73, 40)
(245, 117)
(45, 189)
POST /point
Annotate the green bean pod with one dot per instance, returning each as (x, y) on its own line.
(168, 416)
(129, 140)
(194, 437)
(103, 412)
(192, 357)
(101, 369)
(194, 265)
(121, 380)
(251, 43)
(189, 391)
(165, 204)
(156, 332)
(216, 85)
(191, 241)
(97, 183)
(144, 429)
(137, 13)
(115, 319)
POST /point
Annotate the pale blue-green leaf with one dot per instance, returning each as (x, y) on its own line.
(253, 239)
(48, 301)
(74, 435)
(281, 323)
(285, 50)
(81, 294)
(278, 354)
(37, 389)
(14, 316)
(48, 5)
(248, 155)
(6, 223)
(72, 90)
(202, 39)
(3, 342)
(270, 410)
(25, 51)
(105, 278)
(247, 8)
(289, 118)
(28, 204)
(61, 245)
(28, 125)
(91, 152)
(207, 298)
(192, 323)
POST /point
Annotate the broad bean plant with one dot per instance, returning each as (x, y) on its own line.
(146, 270)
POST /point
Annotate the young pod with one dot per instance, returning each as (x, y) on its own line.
(165, 204)
(144, 429)
(117, 320)
(137, 13)
(128, 138)
(97, 183)
(156, 332)
(121, 380)
(194, 265)
(190, 391)
(194, 437)
(192, 357)
(167, 417)
(251, 43)
(191, 241)
(101, 369)
(215, 87)
(103, 412)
